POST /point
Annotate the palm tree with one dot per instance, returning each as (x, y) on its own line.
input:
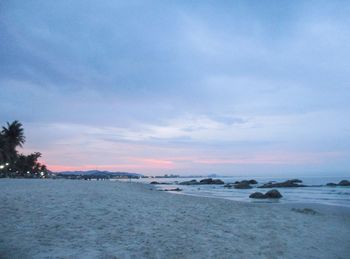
(2, 149)
(14, 134)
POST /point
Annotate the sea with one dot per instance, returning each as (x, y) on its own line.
(337, 196)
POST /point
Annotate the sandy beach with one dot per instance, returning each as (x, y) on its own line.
(104, 219)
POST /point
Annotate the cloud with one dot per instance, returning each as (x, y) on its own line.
(126, 83)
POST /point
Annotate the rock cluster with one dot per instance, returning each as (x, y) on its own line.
(204, 181)
(211, 181)
(245, 184)
(272, 194)
(172, 190)
(341, 183)
(155, 182)
(344, 183)
(191, 182)
(288, 183)
(242, 185)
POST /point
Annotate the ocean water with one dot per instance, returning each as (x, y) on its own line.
(339, 196)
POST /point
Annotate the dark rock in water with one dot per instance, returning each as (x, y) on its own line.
(331, 184)
(155, 182)
(305, 211)
(288, 183)
(252, 181)
(296, 181)
(204, 181)
(242, 185)
(228, 185)
(257, 195)
(273, 194)
(172, 190)
(218, 181)
(341, 183)
(344, 183)
(211, 181)
(191, 182)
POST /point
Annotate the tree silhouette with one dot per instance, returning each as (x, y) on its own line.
(13, 164)
(12, 137)
(14, 134)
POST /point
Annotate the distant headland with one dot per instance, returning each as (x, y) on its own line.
(95, 174)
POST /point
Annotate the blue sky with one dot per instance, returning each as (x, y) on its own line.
(189, 87)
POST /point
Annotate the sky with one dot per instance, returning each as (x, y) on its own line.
(185, 87)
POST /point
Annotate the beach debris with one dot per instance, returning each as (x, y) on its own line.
(288, 183)
(305, 211)
(204, 181)
(272, 194)
(341, 183)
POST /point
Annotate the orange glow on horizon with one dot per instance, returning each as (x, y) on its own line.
(140, 164)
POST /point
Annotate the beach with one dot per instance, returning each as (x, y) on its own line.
(111, 219)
